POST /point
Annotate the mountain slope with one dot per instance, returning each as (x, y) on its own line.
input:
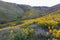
(52, 18)
(9, 11)
(55, 7)
(12, 11)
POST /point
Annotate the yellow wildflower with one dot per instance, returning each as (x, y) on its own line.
(11, 31)
(50, 31)
(53, 38)
(54, 31)
(49, 27)
(47, 33)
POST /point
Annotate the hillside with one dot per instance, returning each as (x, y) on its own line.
(25, 22)
(12, 11)
(42, 26)
(9, 11)
(53, 8)
(50, 18)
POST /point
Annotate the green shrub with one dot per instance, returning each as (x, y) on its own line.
(23, 34)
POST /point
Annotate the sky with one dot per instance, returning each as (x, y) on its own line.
(35, 2)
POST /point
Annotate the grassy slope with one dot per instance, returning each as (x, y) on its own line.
(51, 18)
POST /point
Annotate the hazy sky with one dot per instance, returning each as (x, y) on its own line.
(36, 2)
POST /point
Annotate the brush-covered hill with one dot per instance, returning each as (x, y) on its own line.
(13, 12)
(55, 7)
(9, 11)
(51, 18)
(25, 22)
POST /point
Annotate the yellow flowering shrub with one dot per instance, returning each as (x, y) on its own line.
(23, 34)
(50, 19)
(11, 31)
(55, 33)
